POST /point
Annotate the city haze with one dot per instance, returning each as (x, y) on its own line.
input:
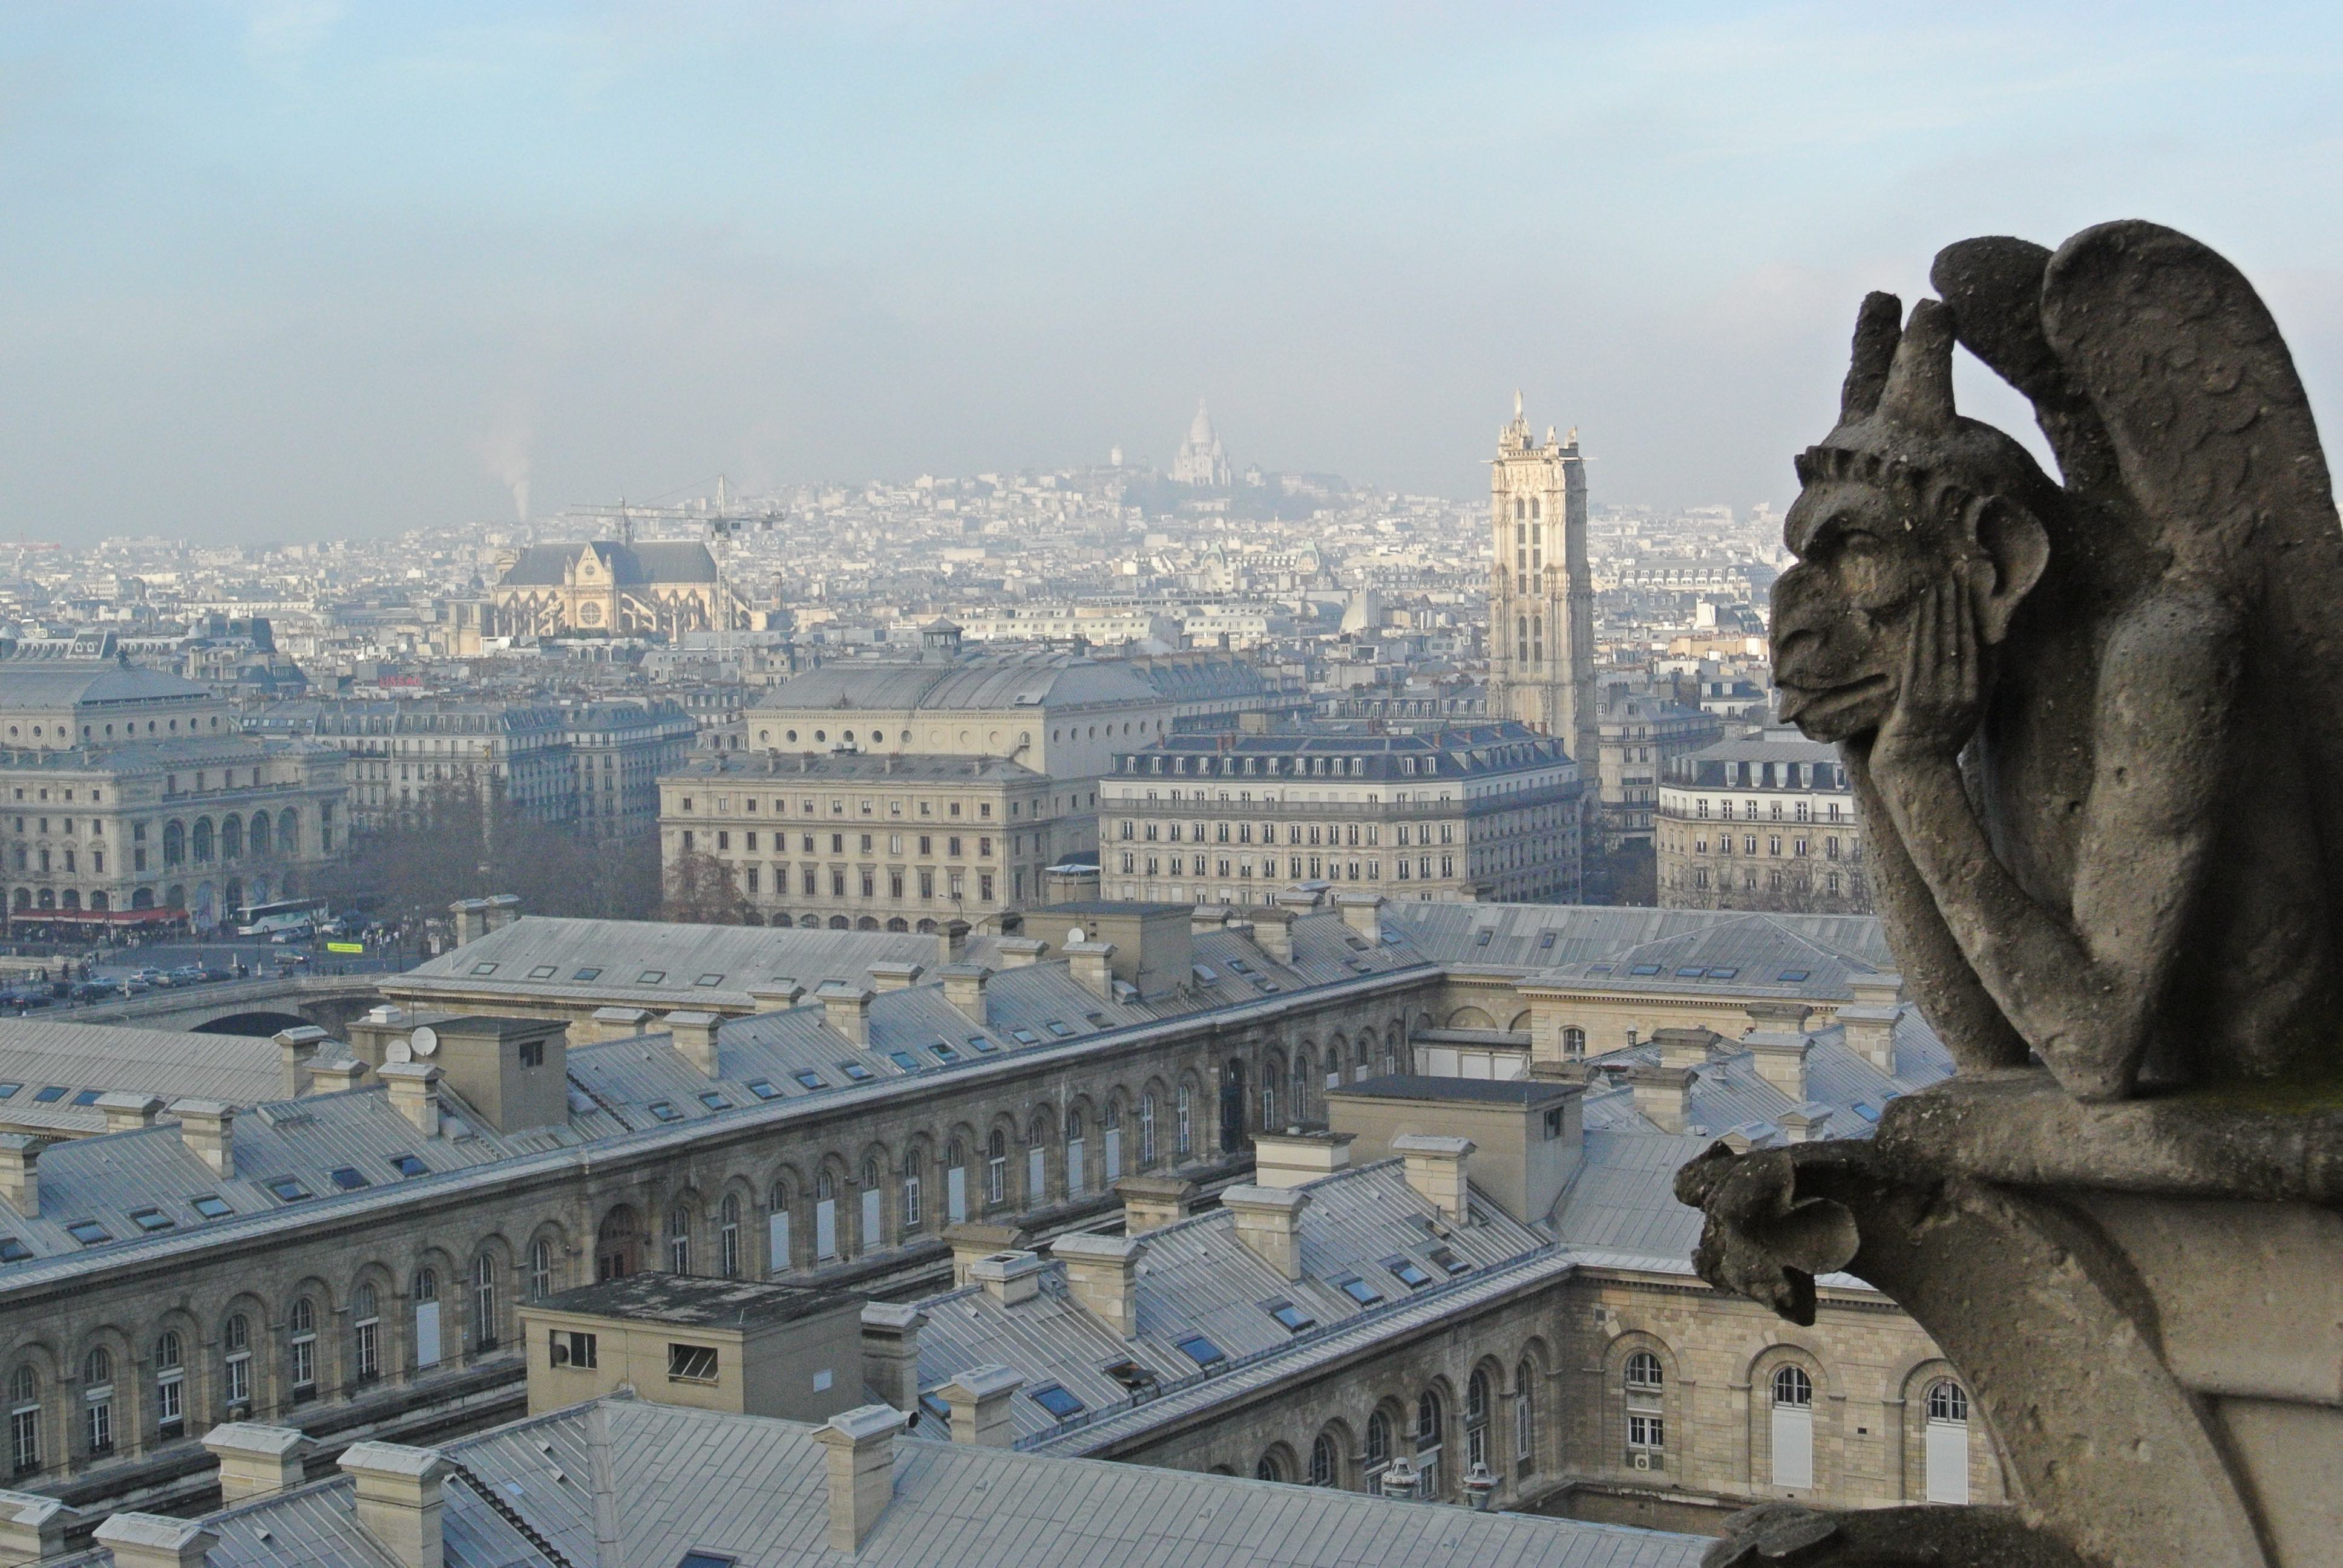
(290, 271)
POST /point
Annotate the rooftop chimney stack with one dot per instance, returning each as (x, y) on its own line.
(501, 911)
(1151, 1202)
(154, 1541)
(1272, 933)
(1662, 1095)
(20, 1175)
(861, 1471)
(1102, 1275)
(335, 1077)
(1016, 952)
(1092, 964)
(1295, 1158)
(846, 1008)
(1781, 1061)
(1363, 913)
(694, 1035)
(613, 1023)
(1269, 1223)
(1009, 1277)
(972, 1240)
(890, 1351)
(254, 1460)
(1683, 1047)
(295, 1048)
(979, 1399)
(1435, 1169)
(470, 919)
(414, 1094)
(398, 1500)
(952, 942)
(126, 1113)
(209, 1128)
(33, 1528)
(1870, 1020)
(894, 975)
(964, 990)
(778, 997)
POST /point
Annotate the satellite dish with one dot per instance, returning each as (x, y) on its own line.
(1075, 935)
(425, 1041)
(397, 1051)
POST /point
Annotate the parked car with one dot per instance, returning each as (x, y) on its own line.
(214, 972)
(187, 974)
(94, 990)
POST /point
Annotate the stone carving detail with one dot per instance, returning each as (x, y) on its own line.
(2095, 728)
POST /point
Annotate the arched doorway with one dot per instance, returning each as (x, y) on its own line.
(616, 1244)
(1233, 1106)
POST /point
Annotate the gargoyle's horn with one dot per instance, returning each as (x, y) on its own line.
(1876, 328)
(1919, 391)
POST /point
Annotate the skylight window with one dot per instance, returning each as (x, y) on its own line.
(696, 1559)
(1722, 974)
(1131, 1375)
(1025, 1036)
(1206, 975)
(13, 1251)
(944, 1052)
(87, 1097)
(1057, 1400)
(1448, 1260)
(484, 969)
(904, 1059)
(587, 974)
(286, 1188)
(763, 1089)
(8, 1090)
(211, 1206)
(408, 1165)
(665, 1111)
(710, 980)
(856, 1072)
(1408, 1272)
(1598, 969)
(51, 1095)
(348, 1178)
(1481, 937)
(1294, 1318)
(810, 1078)
(1061, 1028)
(650, 977)
(1242, 966)
(1546, 940)
(152, 1220)
(982, 1045)
(542, 971)
(1200, 1351)
(1792, 977)
(88, 1232)
(1644, 970)
(714, 1100)
(1358, 1291)
(1695, 971)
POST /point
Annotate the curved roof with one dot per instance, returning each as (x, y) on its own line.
(974, 682)
(66, 681)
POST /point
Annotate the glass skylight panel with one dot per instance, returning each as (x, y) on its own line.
(982, 1045)
(650, 977)
(51, 1095)
(87, 1097)
(1448, 1260)
(856, 1072)
(1408, 1272)
(348, 1178)
(587, 974)
(1206, 975)
(707, 1559)
(211, 1206)
(542, 971)
(665, 1111)
(1722, 974)
(1693, 971)
(944, 1052)
(1546, 940)
(152, 1220)
(763, 1089)
(714, 1100)
(1025, 1037)
(710, 980)
(1197, 1348)
(408, 1165)
(904, 1059)
(1598, 969)
(1482, 937)
(808, 1079)
(1060, 1028)
(1358, 1291)
(1057, 1400)
(1792, 977)
(13, 1251)
(1242, 966)
(1294, 1318)
(8, 1090)
(286, 1188)
(484, 969)
(1644, 970)
(88, 1232)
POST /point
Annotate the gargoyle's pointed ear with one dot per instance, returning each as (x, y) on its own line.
(1919, 390)
(2016, 547)
(1876, 328)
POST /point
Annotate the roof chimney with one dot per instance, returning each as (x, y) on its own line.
(979, 1399)
(1151, 1202)
(1782, 1016)
(414, 1094)
(126, 1113)
(398, 1500)
(964, 988)
(615, 1023)
(1009, 1277)
(337, 1077)
(890, 1351)
(1294, 1158)
(1363, 913)
(254, 1460)
(1092, 964)
(1101, 1274)
(1016, 952)
(1205, 919)
(971, 1240)
(1805, 1124)
(861, 1466)
(1272, 933)
(1269, 1223)
(152, 1541)
(1435, 1169)
(33, 1527)
(208, 1128)
(1683, 1047)
(295, 1048)
(20, 1175)
(778, 997)
(470, 919)
(693, 1034)
(951, 941)
(894, 974)
(1870, 1022)
(1781, 1061)
(846, 1008)
(502, 911)
(1661, 1094)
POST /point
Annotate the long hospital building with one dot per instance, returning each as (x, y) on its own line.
(1372, 1196)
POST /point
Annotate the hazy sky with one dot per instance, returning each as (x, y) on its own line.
(300, 270)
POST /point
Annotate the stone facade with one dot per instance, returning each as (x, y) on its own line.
(1541, 593)
(1765, 823)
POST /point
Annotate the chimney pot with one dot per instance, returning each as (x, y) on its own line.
(1269, 1223)
(693, 1033)
(154, 1541)
(846, 1008)
(1103, 1274)
(254, 1460)
(979, 1399)
(126, 1113)
(414, 1094)
(972, 1239)
(1435, 1169)
(964, 988)
(1009, 1277)
(862, 1470)
(398, 1500)
(34, 1528)
(1151, 1202)
(337, 1077)
(894, 975)
(208, 1128)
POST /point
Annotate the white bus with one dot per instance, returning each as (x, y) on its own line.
(283, 916)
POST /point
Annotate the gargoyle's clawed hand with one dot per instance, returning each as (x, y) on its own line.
(1942, 696)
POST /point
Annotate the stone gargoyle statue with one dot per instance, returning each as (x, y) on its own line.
(2095, 726)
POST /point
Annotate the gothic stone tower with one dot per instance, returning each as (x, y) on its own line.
(1541, 603)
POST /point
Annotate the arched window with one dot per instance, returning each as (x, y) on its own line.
(98, 1399)
(289, 831)
(1573, 1041)
(170, 1384)
(1792, 1386)
(1379, 1440)
(365, 1334)
(540, 1269)
(1647, 1428)
(1947, 1401)
(913, 1163)
(24, 1418)
(1147, 1128)
(1324, 1463)
(1268, 1107)
(1947, 1437)
(301, 1327)
(678, 1239)
(1525, 1417)
(1427, 1418)
(1185, 1142)
(260, 833)
(484, 1302)
(203, 840)
(175, 843)
(1301, 1082)
(1266, 1469)
(728, 1237)
(1476, 1420)
(1793, 1427)
(996, 1168)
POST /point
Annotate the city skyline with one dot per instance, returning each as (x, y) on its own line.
(284, 271)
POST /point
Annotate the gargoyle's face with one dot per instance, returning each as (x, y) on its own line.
(1843, 615)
